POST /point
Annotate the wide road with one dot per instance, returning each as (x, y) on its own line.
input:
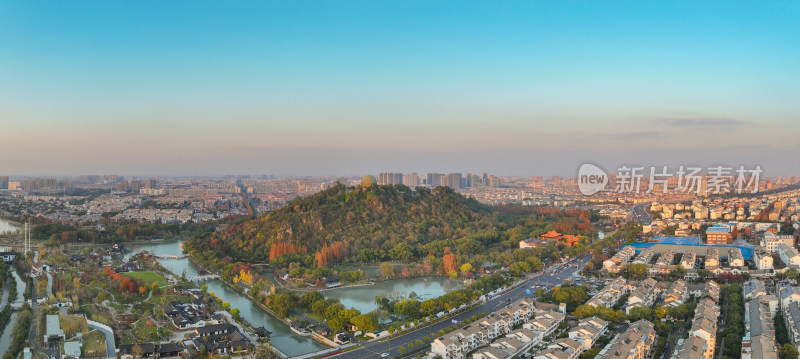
(551, 276)
(640, 213)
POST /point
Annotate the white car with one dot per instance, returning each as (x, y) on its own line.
(384, 355)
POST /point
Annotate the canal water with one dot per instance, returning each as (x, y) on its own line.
(5, 337)
(361, 298)
(282, 338)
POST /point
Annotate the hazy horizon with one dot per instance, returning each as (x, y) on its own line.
(340, 88)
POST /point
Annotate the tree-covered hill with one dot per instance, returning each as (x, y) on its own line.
(340, 222)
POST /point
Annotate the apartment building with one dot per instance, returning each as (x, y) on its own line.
(712, 257)
(788, 294)
(677, 294)
(645, 256)
(614, 264)
(770, 241)
(754, 288)
(763, 259)
(635, 343)
(610, 294)
(588, 331)
(644, 295)
(759, 337)
(703, 334)
(788, 254)
(735, 258)
(791, 316)
(688, 259)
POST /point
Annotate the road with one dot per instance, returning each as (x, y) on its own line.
(640, 213)
(549, 277)
(111, 346)
(51, 350)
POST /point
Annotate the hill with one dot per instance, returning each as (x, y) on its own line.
(342, 222)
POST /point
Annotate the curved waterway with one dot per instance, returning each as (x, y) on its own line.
(282, 338)
(5, 337)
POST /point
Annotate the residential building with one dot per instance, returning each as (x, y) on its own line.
(644, 295)
(735, 258)
(677, 294)
(712, 257)
(791, 317)
(788, 294)
(759, 337)
(771, 241)
(789, 255)
(644, 257)
(688, 259)
(588, 331)
(614, 264)
(718, 235)
(610, 294)
(763, 259)
(635, 343)
(754, 288)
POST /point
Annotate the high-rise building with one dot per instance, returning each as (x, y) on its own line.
(411, 179)
(434, 179)
(3, 182)
(390, 178)
(453, 180)
(150, 183)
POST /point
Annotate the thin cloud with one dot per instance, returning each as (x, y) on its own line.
(703, 122)
(635, 135)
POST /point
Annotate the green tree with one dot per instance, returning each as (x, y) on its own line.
(788, 351)
(365, 322)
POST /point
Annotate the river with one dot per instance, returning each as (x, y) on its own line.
(7, 226)
(5, 337)
(282, 338)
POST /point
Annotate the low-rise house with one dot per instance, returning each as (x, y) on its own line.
(53, 331)
(8, 257)
(490, 353)
(132, 351)
(221, 339)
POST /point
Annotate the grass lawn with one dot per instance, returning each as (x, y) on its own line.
(149, 277)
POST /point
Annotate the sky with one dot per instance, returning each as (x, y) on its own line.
(353, 87)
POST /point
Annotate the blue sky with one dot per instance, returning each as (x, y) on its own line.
(342, 87)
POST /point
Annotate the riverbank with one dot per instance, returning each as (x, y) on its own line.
(266, 309)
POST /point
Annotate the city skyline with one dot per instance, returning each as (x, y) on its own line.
(518, 89)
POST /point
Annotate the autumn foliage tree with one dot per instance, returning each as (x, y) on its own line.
(329, 254)
(279, 248)
(449, 262)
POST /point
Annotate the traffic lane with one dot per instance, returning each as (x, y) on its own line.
(373, 350)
